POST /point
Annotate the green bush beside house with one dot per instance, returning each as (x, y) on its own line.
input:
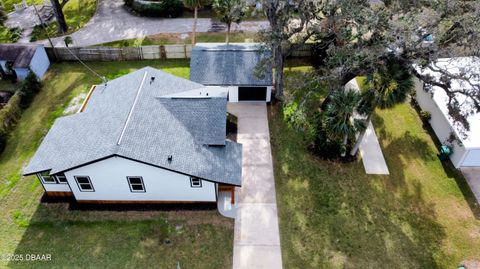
(10, 113)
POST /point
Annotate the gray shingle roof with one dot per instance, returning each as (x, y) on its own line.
(233, 64)
(21, 55)
(192, 129)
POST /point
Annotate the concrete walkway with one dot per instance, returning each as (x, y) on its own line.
(112, 22)
(370, 149)
(472, 175)
(256, 239)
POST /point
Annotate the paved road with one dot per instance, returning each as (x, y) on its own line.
(112, 22)
(256, 238)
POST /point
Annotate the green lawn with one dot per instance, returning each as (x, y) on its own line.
(77, 14)
(169, 39)
(333, 215)
(101, 239)
(8, 4)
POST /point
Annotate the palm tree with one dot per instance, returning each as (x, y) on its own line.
(389, 86)
(229, 11)
(340, 123)
(195, 5)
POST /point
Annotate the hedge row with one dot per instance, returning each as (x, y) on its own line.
(163, 8)
(10, 113)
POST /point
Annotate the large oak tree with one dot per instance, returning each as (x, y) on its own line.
(356, 37)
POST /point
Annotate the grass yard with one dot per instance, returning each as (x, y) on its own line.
(77, 14)
(335, 216)
(8, 4)
(169, 39)
(100, 239)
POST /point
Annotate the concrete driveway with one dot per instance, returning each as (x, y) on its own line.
(256, 239)
(472, 175)
(112, 22)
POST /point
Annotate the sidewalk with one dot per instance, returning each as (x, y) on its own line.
(257, 238)
(370, 149)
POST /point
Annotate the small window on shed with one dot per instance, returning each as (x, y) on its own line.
(46, 178)
(136, 184)
(84, 183)
(195, 182)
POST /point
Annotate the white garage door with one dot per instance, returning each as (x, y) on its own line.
(472, 158)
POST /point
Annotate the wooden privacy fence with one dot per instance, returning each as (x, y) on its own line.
(122, 54)
(140, 53)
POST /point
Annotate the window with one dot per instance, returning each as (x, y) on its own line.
(61, 179)
(195, 182)
(84, 183)
(46, 178)
(136, 184)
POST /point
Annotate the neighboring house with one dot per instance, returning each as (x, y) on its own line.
(466, 151)
(232, 66)
(18, 59)
(147, 136)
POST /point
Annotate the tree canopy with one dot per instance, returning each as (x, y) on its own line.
(357, 37)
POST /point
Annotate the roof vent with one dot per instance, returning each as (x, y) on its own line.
(152, 79)
(170, 158)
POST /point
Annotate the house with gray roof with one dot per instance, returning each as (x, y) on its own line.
(147, 136)
(236, 66)
(19, 59)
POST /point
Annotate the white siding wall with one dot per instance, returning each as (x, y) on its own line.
(438, 122)
(40, 62)
(3, 65)
(21, 73)
(472, 158)
(109, 179)
(269, 93)
(56, 187)
(233, 94)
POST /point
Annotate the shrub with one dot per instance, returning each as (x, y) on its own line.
(3, 16)
(322, 145)
(10, 35)
(3, 140)
(165, 8)
(425, 115)
(8, 117)
(30, 87)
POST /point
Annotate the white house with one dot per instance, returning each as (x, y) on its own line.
(144, 137)
(19, 59)
(466, 151)
(233, 67)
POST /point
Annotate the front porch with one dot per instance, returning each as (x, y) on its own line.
(226, 202)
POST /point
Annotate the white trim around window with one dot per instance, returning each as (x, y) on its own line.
(195, 182)
(61, 179)
(84, 183)
(46, 178)
(136, 184)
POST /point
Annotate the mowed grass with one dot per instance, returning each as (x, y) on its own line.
(100, 239)
(333, 215)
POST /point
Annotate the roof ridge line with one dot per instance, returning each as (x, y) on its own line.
(132, 108)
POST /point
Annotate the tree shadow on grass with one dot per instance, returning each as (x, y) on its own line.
(113, 239)
(453, 172)
(333, 215)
